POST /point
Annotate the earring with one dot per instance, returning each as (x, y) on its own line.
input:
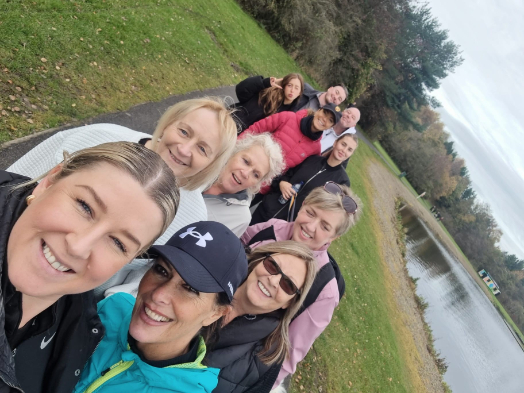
(29, 199)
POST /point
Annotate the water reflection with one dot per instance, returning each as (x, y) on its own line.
(481, 352)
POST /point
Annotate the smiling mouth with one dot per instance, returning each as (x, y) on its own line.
(263, 289)
(176, 159)
(305, 234)
(51, 259)
(236, 179)
(156, 317)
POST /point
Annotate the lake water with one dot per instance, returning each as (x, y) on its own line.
(481, 352)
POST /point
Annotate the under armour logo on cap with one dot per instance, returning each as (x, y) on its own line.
(231, 288)
(201, 238)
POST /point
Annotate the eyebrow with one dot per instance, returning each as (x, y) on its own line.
(185, 125)
(103, 206)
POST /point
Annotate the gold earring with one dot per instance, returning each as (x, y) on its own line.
(29, 199)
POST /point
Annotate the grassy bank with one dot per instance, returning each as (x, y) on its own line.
(365, 347)
(64, 61)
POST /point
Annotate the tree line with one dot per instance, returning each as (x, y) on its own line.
(391, 54)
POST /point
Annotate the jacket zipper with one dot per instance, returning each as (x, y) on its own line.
(111, 372)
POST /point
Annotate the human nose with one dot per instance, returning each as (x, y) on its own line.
(80, 244)
(161, 295)
(184, 149)
(274, 280)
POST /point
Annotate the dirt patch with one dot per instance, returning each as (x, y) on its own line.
(409, 323)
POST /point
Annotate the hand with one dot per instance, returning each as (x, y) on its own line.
(286, 189)
(275, 82)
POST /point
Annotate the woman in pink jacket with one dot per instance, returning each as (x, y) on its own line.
(298, 133)
(326, 214)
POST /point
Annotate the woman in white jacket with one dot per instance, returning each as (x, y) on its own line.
(194, 137)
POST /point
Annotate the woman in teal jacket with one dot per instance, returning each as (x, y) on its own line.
(156, 343)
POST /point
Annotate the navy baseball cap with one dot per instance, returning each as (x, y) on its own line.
(208, 257)
(335, 110)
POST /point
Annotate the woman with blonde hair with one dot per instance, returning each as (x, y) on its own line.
(194, 137)
(326, 214)
(61, 238)
(260, 97)
(256, 160)
(255, 333)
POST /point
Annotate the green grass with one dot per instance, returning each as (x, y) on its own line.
(360, 350)
(64, 61)
(427, 205)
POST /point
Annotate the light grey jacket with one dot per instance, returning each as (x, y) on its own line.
(232, 210)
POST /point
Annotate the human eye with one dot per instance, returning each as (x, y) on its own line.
(202, 150)
(190, 289)
(183, 132)
(160, 270)
(119, 244)
(309, 212)
(245, 161)
(84, 206)
(257, 175)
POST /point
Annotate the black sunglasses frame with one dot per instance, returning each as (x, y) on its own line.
(269, 257)
(346, 199)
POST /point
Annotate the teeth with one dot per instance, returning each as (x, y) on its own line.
(236, 179)
(154, 316)
(176, 159)
(305, 234)
(52, 260)
(263, 289)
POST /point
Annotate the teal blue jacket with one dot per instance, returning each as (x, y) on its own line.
(128, 373)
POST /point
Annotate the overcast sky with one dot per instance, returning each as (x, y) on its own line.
(483, 104)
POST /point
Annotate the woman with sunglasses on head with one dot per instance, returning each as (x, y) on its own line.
(254, 337)
(297, 133)
(326, 214)
(261, 97)
(157, 342)
(61, 238)
(194, 137)
(256, 160)
(314, 172)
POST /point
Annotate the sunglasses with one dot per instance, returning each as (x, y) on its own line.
(350, 206)
(287, 285)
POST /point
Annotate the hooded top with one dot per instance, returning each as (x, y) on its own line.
(128, 372)
(297, 143)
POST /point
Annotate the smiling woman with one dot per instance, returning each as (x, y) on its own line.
(60, 239)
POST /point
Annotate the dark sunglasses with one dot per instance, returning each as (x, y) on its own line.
(350, 206)
(287, 285)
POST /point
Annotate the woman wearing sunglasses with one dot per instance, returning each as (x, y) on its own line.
(314, 172)
(326, 214)
(255, 335)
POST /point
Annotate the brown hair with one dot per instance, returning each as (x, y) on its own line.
(276, 345)
(272, 97)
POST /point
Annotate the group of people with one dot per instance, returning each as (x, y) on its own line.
(191, 260)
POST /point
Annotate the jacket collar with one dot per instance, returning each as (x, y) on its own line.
(305, 128)
(240, 198)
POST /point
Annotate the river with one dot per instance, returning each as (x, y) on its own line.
(481, 353)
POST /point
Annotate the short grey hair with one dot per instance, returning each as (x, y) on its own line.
(273, 152)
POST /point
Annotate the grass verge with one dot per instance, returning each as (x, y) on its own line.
(364, 348)
(65, 61)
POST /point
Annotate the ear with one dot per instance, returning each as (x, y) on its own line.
(47, 181)
(218, 313)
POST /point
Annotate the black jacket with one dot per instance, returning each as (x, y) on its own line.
(314, 172)
(309, 99)
(76, 330)
(236, 352)
(249, 111)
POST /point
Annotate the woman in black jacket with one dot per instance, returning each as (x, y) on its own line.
(314, 172)
(61, 238)
(261, 97)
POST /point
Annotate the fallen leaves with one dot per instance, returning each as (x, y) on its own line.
(43, 60)
(12, 98)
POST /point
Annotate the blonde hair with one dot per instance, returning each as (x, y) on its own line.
(273, 151)
(228, 136)
(143, 165)
(348, 135)
(331, 202)
(276, 345)
(273, 97)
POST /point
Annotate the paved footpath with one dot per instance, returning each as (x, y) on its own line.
(142, 117)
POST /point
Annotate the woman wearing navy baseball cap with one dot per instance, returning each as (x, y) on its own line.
(156, 343)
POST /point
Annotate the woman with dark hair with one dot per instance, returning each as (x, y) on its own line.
(61, 238)
(261, 97)
(314, 172)
(157, 342)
